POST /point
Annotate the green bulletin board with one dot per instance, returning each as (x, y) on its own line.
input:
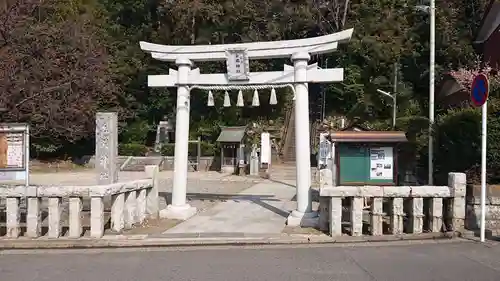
(362, 164)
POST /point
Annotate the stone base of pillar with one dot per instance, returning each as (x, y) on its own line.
(178, 212)
(297, 218)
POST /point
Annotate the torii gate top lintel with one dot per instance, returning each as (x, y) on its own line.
(256, 50)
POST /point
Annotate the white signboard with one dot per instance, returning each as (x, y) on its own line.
(325, 149)
(381, 163)
(238, 66)
(265, 148)
(14, 153)
(13, 150)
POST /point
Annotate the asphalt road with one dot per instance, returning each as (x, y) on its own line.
(435, 261)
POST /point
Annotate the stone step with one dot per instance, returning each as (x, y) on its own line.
(288, 172)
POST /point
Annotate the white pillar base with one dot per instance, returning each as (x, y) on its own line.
(178, 212)
(297, 218)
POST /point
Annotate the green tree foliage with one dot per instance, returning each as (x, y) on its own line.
(54, 73)
(62, 60)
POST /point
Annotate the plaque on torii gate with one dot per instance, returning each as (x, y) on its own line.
(238, 77)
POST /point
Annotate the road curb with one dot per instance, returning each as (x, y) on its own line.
(144, 242)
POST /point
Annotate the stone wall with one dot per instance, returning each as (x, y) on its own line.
(492, 207)
(166, 163)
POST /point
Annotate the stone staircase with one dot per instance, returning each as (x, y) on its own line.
(289, 139)
(289, 143)
(286, 171)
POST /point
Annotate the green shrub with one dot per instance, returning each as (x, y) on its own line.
(458, 145)
(136, 132)
(132, 149)
(167, 149)
(209, 149)
(206, 149)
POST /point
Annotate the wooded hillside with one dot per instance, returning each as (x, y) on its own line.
(62, 60)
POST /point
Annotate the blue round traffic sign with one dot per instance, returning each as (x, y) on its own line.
(479, 90)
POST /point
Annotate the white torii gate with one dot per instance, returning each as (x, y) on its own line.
(239, 77)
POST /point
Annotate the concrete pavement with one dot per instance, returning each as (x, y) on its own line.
(409, 261)
(262, 208)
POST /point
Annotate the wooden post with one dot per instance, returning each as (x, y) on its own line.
(4, 146)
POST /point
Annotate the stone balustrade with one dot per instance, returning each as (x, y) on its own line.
(396, 210)
(131, 203)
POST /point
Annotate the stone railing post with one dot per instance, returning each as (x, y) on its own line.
(356, 216)
(417, 215)
(106, 147)
(324, 213)
(13, 217)
(75, 214)
(117, 212)
(55, 210)
(96, 217)
(436, 217)
(325, 179)
(33, 216)
(335, 224)
(141, 205)
(377, 216)
(457, 183)
(152, 198)
(130, 208)
(397, 214)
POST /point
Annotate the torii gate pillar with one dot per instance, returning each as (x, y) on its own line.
(179, 209)
(303, 215)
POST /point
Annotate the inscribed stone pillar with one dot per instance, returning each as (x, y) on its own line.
(106, 147)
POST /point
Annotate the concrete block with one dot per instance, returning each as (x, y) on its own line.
(303, 219)
(458, 184)
(178, 212)
(325, 178)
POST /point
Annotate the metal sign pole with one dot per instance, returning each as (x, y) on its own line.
(27, 156)
(484, 113)
(479, 97)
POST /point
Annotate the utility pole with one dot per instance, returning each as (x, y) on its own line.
(432, 65)
(394, 92)
(323, 105)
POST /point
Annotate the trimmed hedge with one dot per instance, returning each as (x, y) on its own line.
(132, 149)
(206, 149)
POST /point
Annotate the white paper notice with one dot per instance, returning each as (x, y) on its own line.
(381, 163)
(13, 157)
(265, 148)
